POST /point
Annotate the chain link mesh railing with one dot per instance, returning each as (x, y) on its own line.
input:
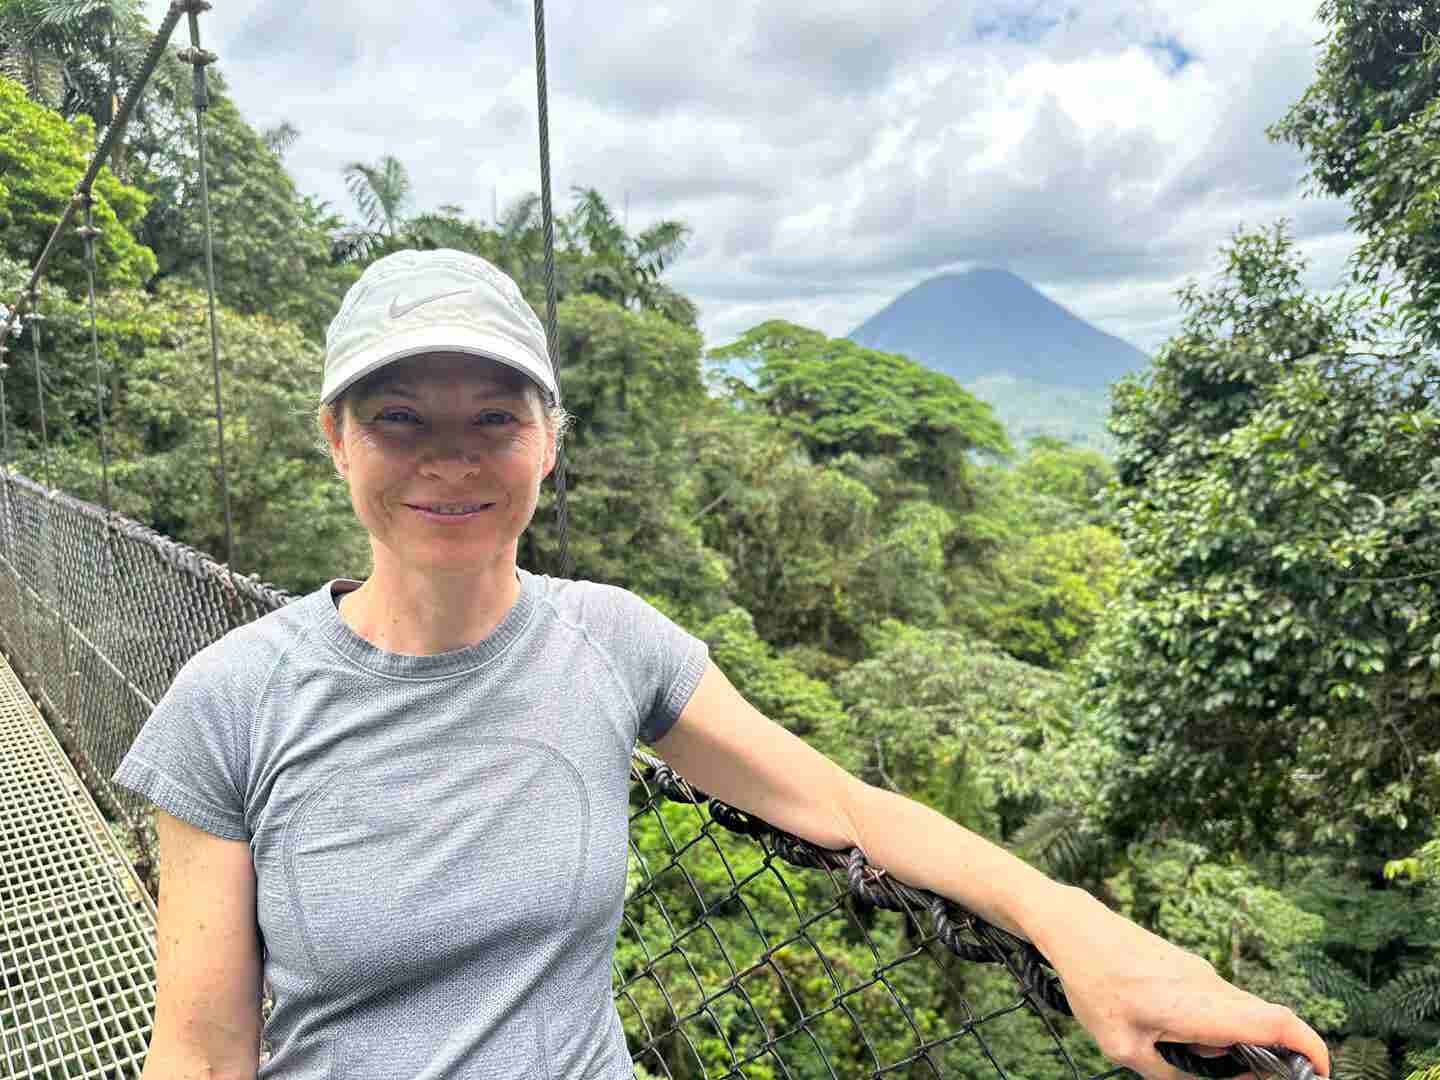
(99, 613)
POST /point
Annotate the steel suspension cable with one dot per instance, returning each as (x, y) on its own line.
(34, 318)
(4, 411)
(201, 59)
(88, 232)
(552, 331)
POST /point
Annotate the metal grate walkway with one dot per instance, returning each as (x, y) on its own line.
(77, 929)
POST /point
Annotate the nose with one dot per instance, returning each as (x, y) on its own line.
(450, 457)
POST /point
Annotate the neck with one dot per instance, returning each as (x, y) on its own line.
(422, 612)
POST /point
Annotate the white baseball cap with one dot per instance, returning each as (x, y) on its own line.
(415, 302)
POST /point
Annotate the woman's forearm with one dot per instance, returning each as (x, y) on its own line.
(926, 849)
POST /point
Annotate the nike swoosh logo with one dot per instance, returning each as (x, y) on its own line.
(398, 309)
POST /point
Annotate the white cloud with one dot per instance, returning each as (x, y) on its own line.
(828, 155)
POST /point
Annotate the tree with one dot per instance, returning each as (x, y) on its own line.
(1037, 564)
(272, 248)
(632, 382)
(1272, 669)
(73, 55)
(292, 519)
(1040, 598)
(625, 268)
(42, 157)
(837, 397)
(956, 723)
(1368, 125)
(382, 193)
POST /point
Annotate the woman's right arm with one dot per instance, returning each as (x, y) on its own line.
(207, 996)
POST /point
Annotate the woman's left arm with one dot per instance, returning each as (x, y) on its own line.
(1130, 988)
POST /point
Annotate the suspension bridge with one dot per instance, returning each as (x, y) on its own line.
(729, 961)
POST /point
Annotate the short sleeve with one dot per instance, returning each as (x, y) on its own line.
(190, 757)
(660, 662)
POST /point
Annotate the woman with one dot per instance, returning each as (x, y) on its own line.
(411, 793)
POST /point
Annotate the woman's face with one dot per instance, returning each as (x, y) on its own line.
(444, 455)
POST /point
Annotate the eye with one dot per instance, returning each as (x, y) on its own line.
(495, 416)
(398, 416)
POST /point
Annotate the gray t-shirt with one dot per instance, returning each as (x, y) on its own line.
(439, 841)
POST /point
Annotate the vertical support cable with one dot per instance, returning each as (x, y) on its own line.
(6, 546)
(34, 318)
(201, 59)
(552, 332)
(4, 411)
(88, 232)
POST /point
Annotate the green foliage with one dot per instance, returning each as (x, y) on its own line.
(42, 157)
(382, 193)
(837, 397)
(1040, 599)
(1361, 1058)
(272, 248)
(622, 268)
(772, 683)
(1275, 496)
(1074, 475)
(1226, 912)
(1368, 125)
(76, 56)
(1422, 1063)
(957, 724)
(1034, 568)
(620, 366)
(292, 521)
(632, 382)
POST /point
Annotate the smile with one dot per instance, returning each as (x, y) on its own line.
(451, 511)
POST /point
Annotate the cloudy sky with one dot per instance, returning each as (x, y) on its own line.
(828, 155)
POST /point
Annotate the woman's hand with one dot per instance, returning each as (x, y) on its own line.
(1132, 990)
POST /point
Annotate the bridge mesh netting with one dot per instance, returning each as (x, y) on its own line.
(743, 952)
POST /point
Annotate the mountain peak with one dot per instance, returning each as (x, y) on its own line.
(989, 321)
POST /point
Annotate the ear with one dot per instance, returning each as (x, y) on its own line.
(334, 436)
(551, 451)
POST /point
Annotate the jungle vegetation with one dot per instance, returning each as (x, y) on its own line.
(1199, 677)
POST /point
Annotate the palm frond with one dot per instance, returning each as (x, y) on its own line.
(381, 192)
(661, 244)
(1423, 1062)
(1412, 997)
(39, 71)
(1332, 979)
(1052, 839)
(64, 13)
(1361, 1058)
(355, 245)
(519, 216)
(360, 181)
(281, 137)
(596, 223)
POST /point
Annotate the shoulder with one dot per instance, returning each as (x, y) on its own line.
(240, 661)
(591, 604)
